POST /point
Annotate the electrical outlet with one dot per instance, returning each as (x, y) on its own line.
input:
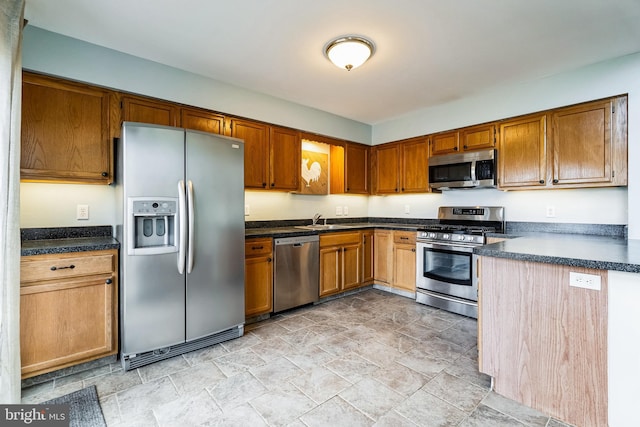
(82, 212)
(345, 210)
(587, 281)
(338, 210)
(407, 209)
(551, 211)
(247, 210)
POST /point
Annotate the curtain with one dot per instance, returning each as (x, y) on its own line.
(11, 22)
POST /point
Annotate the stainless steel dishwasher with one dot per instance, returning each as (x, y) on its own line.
(296, 272)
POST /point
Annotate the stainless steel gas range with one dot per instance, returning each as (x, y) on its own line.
(445, 271)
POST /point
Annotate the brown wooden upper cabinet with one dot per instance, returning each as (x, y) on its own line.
(67, 131)
(387, 168)
(356, 169)
(285, 159)
(202, 120)
(271, 155)
(415, 166)
(478, 137)
(144, 110)
(590, 143)
(444, 143)
(466, 139)
(402, 167)
(577, 146)
(349, 167)
(522, 152)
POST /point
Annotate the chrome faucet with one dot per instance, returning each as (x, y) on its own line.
(316, 218)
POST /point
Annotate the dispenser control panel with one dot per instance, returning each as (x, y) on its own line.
(151, 207)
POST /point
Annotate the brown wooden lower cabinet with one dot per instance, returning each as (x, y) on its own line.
(404, 260)
(383, 257)
(545, 342)
(340, 262)
(258, 279)
(68, 309)
(368, 256)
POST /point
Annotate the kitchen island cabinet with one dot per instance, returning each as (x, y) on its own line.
(68, 309)
(258, 280)
(543, 341)
(570, 351)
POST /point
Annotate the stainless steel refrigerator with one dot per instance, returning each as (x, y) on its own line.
(181, 197)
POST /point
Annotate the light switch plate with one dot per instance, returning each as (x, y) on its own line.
(338, 210)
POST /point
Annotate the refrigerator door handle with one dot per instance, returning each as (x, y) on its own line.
(191, 212)
(183, 225)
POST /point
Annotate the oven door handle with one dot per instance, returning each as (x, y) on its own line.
(446, 247)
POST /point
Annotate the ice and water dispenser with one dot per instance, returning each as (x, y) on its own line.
(153, 225)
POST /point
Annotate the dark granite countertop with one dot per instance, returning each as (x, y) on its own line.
(41, 241)
(598, 252)
(294, 230)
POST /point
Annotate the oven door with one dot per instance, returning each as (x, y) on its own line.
(446, 269)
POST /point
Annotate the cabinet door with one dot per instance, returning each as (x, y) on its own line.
(522, 157)
(53, 336)
(477, 137)
(357, 169)
(368, 257)
(444, 143)
(258, 284)
(202, 120)
(256, 151)
(582, 144)
(415, 166)
(352, 265)
(383, 250)
(387, 169)
(404, 267)
(143, 110)
(285, 159)
(66, 132)
(330, 270)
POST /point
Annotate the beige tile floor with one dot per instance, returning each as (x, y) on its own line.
(367, 359)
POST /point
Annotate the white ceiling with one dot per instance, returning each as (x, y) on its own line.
(428, 51)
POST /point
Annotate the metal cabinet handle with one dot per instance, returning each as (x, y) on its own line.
(413, 250)
(555, 181)
(105, 174)
(255, 248)
(108, 281)
(54, 268)
(269, 259)
(404, 238)
(542, 181)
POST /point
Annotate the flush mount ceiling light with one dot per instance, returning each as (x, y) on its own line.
(349, 52)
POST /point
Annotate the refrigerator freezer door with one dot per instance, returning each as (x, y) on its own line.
(152, 290)
(215, 286)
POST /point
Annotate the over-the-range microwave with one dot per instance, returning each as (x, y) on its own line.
(475, 169)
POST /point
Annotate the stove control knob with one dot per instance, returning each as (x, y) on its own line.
(432, 235)
(470, 238)
(445, 236)
(460, 236)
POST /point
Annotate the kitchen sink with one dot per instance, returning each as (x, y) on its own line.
(322, 227)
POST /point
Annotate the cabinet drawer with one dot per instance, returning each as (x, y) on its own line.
(255, 247)
(404, 237)
(337, 239)
(61, 266)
